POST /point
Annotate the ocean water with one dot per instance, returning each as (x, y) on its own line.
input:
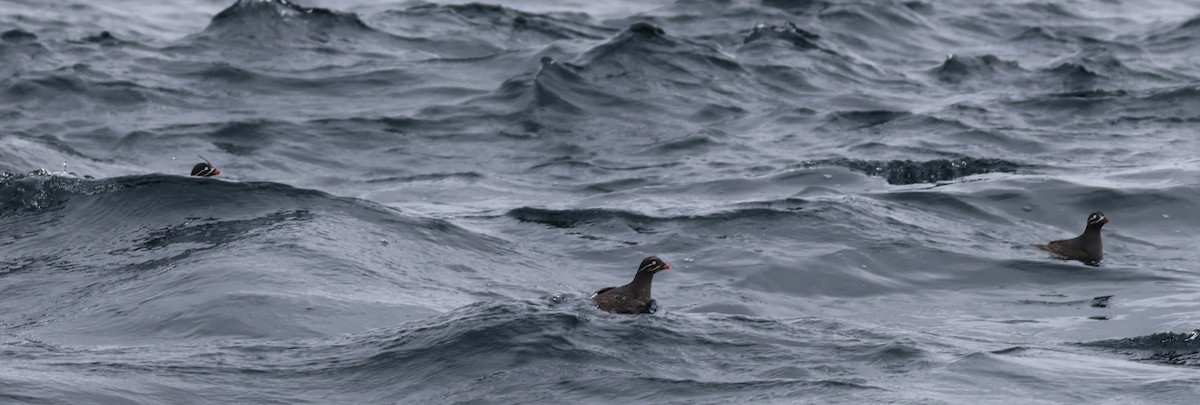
(418, 198)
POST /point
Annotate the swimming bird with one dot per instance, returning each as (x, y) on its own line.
(205, 169)
(1085, 247)
(632, 298)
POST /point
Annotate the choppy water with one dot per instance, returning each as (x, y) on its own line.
(418, 198)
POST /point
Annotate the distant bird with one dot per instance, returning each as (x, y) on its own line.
(1085, 247)
(632, 298)
(205, 169)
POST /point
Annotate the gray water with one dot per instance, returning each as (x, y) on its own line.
(417, 199)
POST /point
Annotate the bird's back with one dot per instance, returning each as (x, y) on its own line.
(1074, 248)
(621, 300)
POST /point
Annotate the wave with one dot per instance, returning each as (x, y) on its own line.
(1175, 38)
(75, 89)
(500, 26)
(22, 51)
(227, 77)
(572, 218)
(502, 340)
(1074, 74)
(866, 119)
(798, 7)
(643, 43)
(556, 87)
(150, 183)
(16, 36)
(985, 67)
(790, 33)
(430, 177)
(104, 38)
(1051, 37)
(159, 201)
(1181, 349)
(576, 217)
(901, 172)
(205, 259)
(1178, 102)
(882, 26)
(644, 59)
(946, 130)
(271, 20)
(250, 29)
(510, 351)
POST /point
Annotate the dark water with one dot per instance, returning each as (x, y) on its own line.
(418, 198)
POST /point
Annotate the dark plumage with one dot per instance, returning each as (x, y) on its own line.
(632, 298)
(1085, 247)
(205, 170)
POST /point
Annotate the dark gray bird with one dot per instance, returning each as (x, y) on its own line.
(632, 298)
(205, 169)
(1085, 247)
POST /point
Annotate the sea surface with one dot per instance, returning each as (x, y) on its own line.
(418, 198)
